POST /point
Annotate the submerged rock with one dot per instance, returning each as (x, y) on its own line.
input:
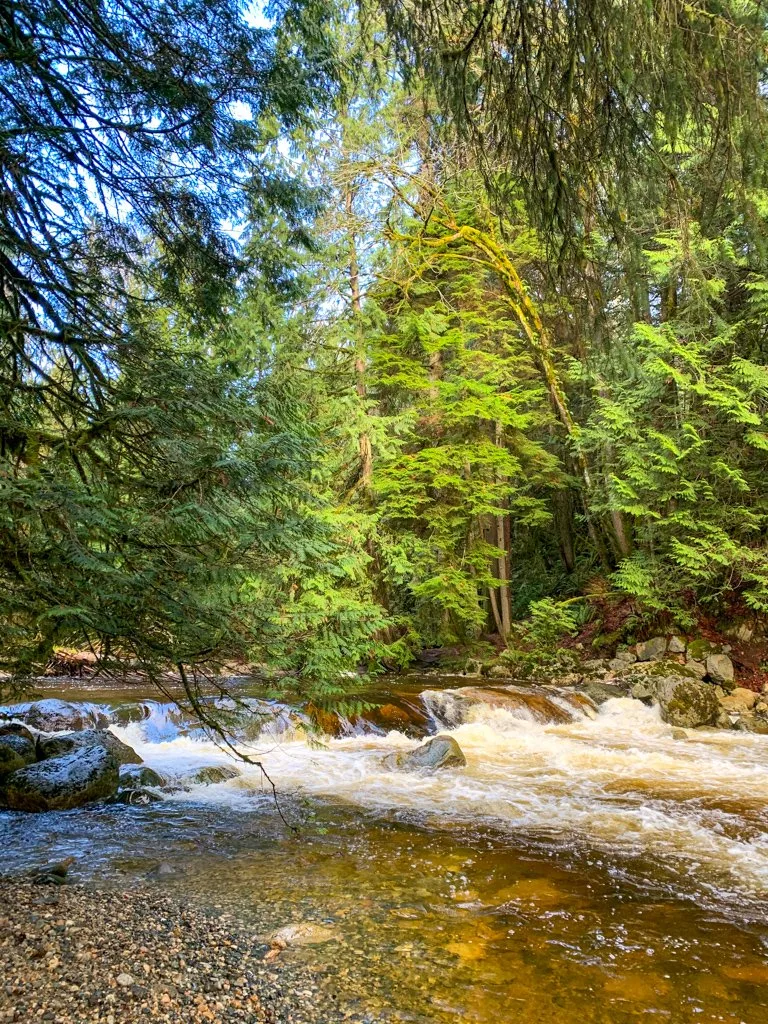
(213, 774)
(304, 933)
(55, 746)
(60, 783)
(16, 751)
(440, 752)
(138, 776)
(137, 797)
(531, 702)
(55, 715)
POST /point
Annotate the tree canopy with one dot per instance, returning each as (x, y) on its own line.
(366, 331)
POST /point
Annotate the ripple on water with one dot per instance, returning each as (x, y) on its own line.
(580, 869)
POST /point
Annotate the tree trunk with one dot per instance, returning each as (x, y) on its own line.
(503, 565)
(364, 440)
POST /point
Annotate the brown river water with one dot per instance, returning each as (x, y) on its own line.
(584, 867)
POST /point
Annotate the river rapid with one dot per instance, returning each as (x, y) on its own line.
(585, 866)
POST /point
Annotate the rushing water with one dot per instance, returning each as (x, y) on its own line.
(583, 867)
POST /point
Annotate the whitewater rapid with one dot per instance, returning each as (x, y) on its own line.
(618, 782)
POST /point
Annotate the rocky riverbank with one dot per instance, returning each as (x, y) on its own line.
(692, 680)
(73, 955)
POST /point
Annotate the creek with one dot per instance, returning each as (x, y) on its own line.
(583, 867)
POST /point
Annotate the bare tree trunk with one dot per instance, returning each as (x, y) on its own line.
(364, 441)
(563, 516)
(503, 565)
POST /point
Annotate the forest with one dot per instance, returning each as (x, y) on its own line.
(383, 511)
(333, 334)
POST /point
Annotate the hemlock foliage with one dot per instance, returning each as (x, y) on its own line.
(317, 350)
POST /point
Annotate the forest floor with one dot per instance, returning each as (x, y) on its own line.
(73, 955)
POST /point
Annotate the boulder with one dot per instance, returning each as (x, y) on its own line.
(629, 657)
(139, 776)
(473, 667)
(750, 723)
(739, 699)
(596, 667)
(54, 715)
(720, 669)
(213, 774)
(644, 689)
(601, 692)
(652, 650)
(17, 729)
(440, 752)
(55, 746)
(685, 702)
(697, 667)
(700, 650)
(16, 751)
(676, 645)
(619, 665)
(60, 783)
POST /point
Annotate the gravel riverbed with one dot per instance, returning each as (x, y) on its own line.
(71, 954)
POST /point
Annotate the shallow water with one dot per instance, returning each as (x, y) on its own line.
(588, 870)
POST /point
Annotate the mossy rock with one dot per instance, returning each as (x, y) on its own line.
(699, 650)
(61, 783)
(686, 702)
(440, 752)
(16, 751)
(213, 774)
(55, 746)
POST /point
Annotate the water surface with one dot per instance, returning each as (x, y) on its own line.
(582, 868)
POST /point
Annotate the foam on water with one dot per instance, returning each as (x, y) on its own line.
(618, 782)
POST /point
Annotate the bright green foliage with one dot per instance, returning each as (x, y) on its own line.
(682, 439)
(474, 343)
(466, 420)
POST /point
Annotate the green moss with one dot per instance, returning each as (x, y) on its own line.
(699, 650)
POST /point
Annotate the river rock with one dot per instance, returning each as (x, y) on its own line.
(55, 746)
(685, 702)
(60, 783)
(652, 650)
(750, 723)
(628, 657)
(139, 776)
(596, 667)
(601, 692)
(17, 729)
(212, 774)
(720, 669)
(697, 667)
(440, 752)
(676, 645)
(619, 665)
(16, 751)
(740, 699)
(303, 933)
(55, 715)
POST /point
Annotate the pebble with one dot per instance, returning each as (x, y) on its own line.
(73, 956)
